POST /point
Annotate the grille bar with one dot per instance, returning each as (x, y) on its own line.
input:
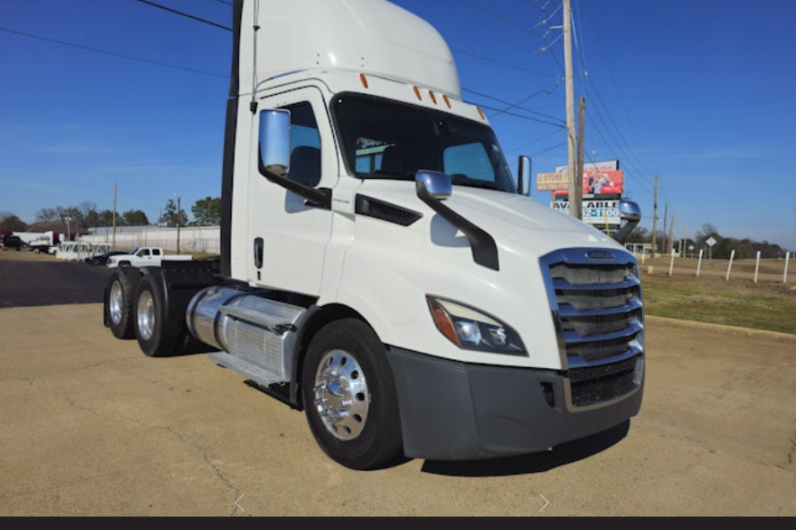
(570, 311)
(566, 285)
(573, 337)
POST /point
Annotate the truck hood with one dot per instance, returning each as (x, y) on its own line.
(518, 224)
(404, 257)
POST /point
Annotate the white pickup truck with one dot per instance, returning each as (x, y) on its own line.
(145, 257)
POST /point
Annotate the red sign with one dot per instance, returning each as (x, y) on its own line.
(599, 182)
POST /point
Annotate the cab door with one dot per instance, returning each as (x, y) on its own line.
(287, 236)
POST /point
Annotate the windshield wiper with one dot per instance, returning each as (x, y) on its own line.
(461, 180)
(380, 174)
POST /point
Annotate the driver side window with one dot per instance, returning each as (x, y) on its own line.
(305, 145)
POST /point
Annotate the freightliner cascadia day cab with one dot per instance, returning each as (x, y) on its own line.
(380, 268)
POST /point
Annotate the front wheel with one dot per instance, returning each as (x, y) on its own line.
(349, 396)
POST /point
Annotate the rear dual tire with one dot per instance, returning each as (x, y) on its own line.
(157, 337)
(119, 297)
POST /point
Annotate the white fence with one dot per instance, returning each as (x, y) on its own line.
(185, 240)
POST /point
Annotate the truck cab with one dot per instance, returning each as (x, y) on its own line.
(381, 268)
(138, 257)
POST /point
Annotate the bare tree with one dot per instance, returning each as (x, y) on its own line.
(46, 215)
(706, 232)
(9, 221)
(86, 208)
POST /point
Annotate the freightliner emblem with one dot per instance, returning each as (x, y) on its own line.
(600, 255)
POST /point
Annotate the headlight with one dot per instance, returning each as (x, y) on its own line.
(471, 329)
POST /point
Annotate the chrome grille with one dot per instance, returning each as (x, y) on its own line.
(596, 302)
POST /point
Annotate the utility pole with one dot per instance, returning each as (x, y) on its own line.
(575, 181)
(665, 242)
(113, 240)
(681, 243)
(179, 216)
(671, 236)
(577, 193)
(655, 216)
(68, 219)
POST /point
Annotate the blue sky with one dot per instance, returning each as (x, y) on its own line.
(97, 93)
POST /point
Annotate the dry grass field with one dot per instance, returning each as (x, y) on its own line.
(755, 295)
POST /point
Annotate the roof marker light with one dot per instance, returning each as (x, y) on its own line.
(481, 113)
(364, 80)
(417, 93)
(433, 97)
(447, 101)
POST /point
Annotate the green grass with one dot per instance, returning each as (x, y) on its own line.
(769, 306)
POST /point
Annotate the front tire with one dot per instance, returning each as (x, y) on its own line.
(156, 336)
(119, 296)
(349, 396)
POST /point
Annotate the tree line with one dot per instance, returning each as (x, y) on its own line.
(721, 249)
(205, 212)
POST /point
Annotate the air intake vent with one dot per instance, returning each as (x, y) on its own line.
(385, 211)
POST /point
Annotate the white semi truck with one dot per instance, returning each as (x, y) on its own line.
(381, 269)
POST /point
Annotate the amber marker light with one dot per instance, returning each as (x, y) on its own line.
(364, 80)
(417, 93)
(442, 320)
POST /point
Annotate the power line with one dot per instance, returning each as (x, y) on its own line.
(501, 63)
(503, 111)
(186, 15)
(555, 123)
(589, 81)
(114, 54)
(537, 153)
(539, 139)
(637, 172)
(507, 21)
(517, 105)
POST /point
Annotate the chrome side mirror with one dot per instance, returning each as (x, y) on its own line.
(275, 141)
(629, 210)
(433, 184)
(524, 176)
(630, 213)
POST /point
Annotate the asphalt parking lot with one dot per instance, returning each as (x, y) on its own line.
(92, 427)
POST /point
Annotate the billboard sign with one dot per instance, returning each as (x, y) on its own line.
(608, 165)
(598, 182)
(552, 181)
(599, 178)
(595, 212)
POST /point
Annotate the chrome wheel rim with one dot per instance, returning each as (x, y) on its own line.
(146, 315)
(341, 395)
(116, 302)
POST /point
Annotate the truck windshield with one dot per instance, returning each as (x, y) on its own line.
(382, 139)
